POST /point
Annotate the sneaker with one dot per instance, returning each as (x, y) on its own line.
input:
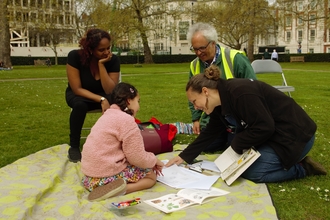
(74, 154)
(312, 167)
(115, 188)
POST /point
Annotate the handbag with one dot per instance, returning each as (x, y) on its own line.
(155, 137)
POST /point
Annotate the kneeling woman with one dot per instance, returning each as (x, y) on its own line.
(256, 114)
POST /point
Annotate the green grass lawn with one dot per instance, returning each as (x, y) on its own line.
(34, 116)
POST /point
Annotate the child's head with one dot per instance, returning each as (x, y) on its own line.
(126, 97)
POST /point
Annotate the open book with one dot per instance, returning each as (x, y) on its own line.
(232, 165)
(184, 198)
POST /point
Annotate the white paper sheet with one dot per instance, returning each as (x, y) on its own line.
(180, 177)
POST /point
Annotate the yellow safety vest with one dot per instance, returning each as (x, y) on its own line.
(227, 55)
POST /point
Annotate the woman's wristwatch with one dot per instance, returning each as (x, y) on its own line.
(102, 99)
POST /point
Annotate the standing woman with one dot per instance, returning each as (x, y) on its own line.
(93, 72)
(257, 115)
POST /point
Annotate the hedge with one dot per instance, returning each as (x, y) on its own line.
(314, 57)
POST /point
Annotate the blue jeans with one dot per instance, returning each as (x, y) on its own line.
(269, 169)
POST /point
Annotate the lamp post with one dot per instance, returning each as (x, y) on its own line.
(192, 15)
(138, 52)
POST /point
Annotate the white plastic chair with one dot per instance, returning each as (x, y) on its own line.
(271, 66)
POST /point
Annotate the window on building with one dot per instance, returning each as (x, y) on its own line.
(288, 21)
(159, 46)
(11, 16)
(311, 50)
(60, 4)
(183, 29)
(54, 19)
(25, 3)
(33, 17)
(300, 35)
(287, 51)
(312, 35)
(33, 3)
(39, 4)
(313, 4)
(66, 5)
(61, 19)
(328, 36)
(25, 16)
(288, 36)
(300, 6)
(67, 18)
(312, 18)
(47, 18)
(300, 21)
(19, 16)
(17, 2)
(328, 50)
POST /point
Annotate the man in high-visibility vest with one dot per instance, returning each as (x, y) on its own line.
(232, 63)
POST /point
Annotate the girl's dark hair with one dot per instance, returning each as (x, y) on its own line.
(208, 79)
(121, 93)
(89, 42)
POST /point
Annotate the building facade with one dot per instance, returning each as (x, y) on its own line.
(40, 23)
(37, 24)
(304, 28)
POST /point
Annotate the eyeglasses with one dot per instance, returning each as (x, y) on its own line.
(200, 49)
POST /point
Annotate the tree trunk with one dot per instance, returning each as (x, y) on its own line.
(55, 52)
(250, 45)
(146, 49)
(4, 35)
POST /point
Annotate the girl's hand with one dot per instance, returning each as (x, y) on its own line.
(158, 168)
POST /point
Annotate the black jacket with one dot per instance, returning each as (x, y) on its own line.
(264, 116)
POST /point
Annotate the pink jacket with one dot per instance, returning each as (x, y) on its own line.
(114, 142)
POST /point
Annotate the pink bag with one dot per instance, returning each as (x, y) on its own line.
(155, 137)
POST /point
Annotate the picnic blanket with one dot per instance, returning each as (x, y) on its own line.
(45, 185)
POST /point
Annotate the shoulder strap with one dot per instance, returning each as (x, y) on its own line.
(195, 67)
(229, 62)
(225, 55)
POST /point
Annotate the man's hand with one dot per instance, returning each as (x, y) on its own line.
(176, 160)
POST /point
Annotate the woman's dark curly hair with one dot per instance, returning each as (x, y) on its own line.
(121, 93)
(89, 42)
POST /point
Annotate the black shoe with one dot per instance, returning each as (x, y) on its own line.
(74, 154)
(312, 167)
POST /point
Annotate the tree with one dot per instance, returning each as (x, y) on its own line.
(83, 20)
(133, 18)
(236, 21)
(4, 35)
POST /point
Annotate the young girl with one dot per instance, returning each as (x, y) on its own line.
(114, 160)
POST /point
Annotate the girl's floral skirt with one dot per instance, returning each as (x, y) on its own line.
(131, 174)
